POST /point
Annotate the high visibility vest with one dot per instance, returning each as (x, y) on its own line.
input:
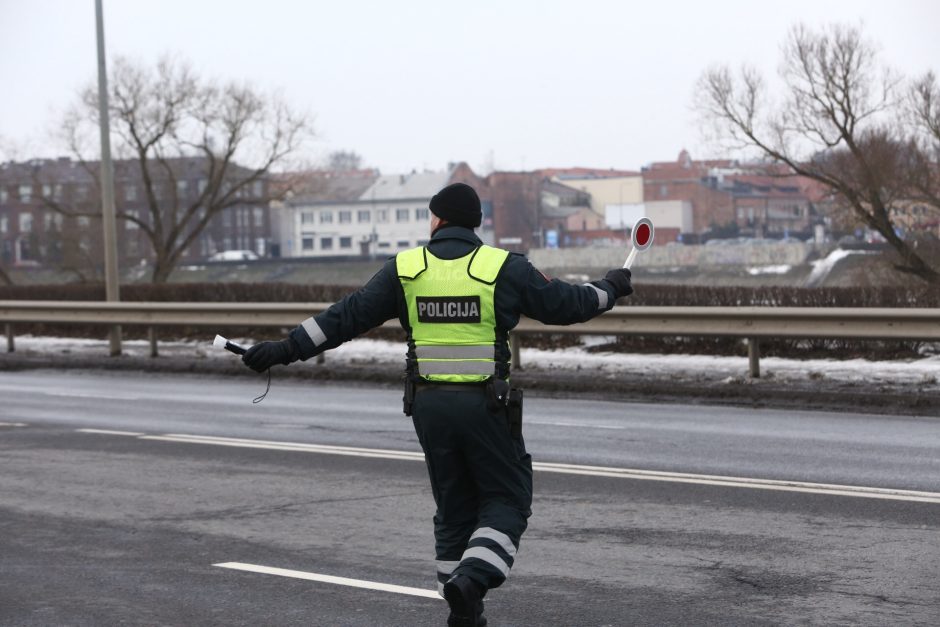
(451, 313)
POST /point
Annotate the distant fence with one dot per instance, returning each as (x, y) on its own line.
(751, 323)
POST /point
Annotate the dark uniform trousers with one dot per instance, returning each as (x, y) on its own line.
(481, 478)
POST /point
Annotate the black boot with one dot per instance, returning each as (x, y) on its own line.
(464, 596)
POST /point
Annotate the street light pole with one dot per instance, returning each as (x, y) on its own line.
(112, 287)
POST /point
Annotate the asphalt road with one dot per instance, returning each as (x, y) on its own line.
(125, 528)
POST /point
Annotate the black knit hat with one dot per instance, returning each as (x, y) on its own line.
(458, 204)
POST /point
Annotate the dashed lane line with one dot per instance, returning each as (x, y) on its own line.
(915, 496)
(110, 432)
(12, 424)
(340, 581)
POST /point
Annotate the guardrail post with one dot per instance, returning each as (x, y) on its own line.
(516, 351)
(152, 338)
(8, 329)
(321, 358)
(753, 357)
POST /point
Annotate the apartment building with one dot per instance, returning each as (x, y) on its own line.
(364, 214)
(756, 199)
(50, 211)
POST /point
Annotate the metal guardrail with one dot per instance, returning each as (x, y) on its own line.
(752, 323)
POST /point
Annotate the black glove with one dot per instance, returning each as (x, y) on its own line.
(263, 355)
(620, 280)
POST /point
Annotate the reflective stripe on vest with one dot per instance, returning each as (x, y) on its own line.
(451, 312)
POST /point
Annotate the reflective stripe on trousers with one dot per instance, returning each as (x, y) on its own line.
(492, 547)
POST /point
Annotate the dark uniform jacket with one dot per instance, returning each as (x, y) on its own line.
(520, 289)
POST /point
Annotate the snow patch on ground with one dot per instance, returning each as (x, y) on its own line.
(730, 370)
(783, 269)
(822, 267)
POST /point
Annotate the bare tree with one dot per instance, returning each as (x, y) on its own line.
(842, 122)
(165, 117)
(343, 161)
(924, 116)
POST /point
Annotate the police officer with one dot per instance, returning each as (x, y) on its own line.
(457, 299)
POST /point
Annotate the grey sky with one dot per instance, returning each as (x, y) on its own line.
(418, 83)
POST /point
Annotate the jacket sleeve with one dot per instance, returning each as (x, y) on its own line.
(368, 307)
(553, 301)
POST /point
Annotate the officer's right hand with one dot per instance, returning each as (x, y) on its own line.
(263, 355)
(620, 280)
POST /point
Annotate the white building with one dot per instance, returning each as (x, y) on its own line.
(369, 216)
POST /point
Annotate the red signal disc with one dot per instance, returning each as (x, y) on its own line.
(642, 236)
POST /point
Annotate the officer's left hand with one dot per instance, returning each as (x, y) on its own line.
(263, 355)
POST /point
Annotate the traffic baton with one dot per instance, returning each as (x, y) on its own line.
(642, 237)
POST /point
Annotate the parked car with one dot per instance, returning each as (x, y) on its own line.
(234, 255)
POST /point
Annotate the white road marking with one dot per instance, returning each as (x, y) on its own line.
(109, 432)
(557, 423)
(12, 424)
(915, 496)
(110, 397)
(287, 446)
(341, 581)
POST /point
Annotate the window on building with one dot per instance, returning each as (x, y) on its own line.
(402, 243)
(326, 217)
(381, 215)
(421, 242)
(307, 243)
(84, 222)
(306, 217)
(57, 191)
(260, 245)
(258, 213)
(259, 189)
(130, 192)
(364, 215)
(345, 242)
(202, 185)
(326, 243)
(46, 190)
(227, 219)
(401, 215)
(130, 225)
(345, 217)
(26, 193)
(4, 224)
(26, 222)
(48, 219)
(181, 188)
(385, 245)
(663, 191)
(5, 195)
(133, 248)
(421, 214)
(227, 243)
